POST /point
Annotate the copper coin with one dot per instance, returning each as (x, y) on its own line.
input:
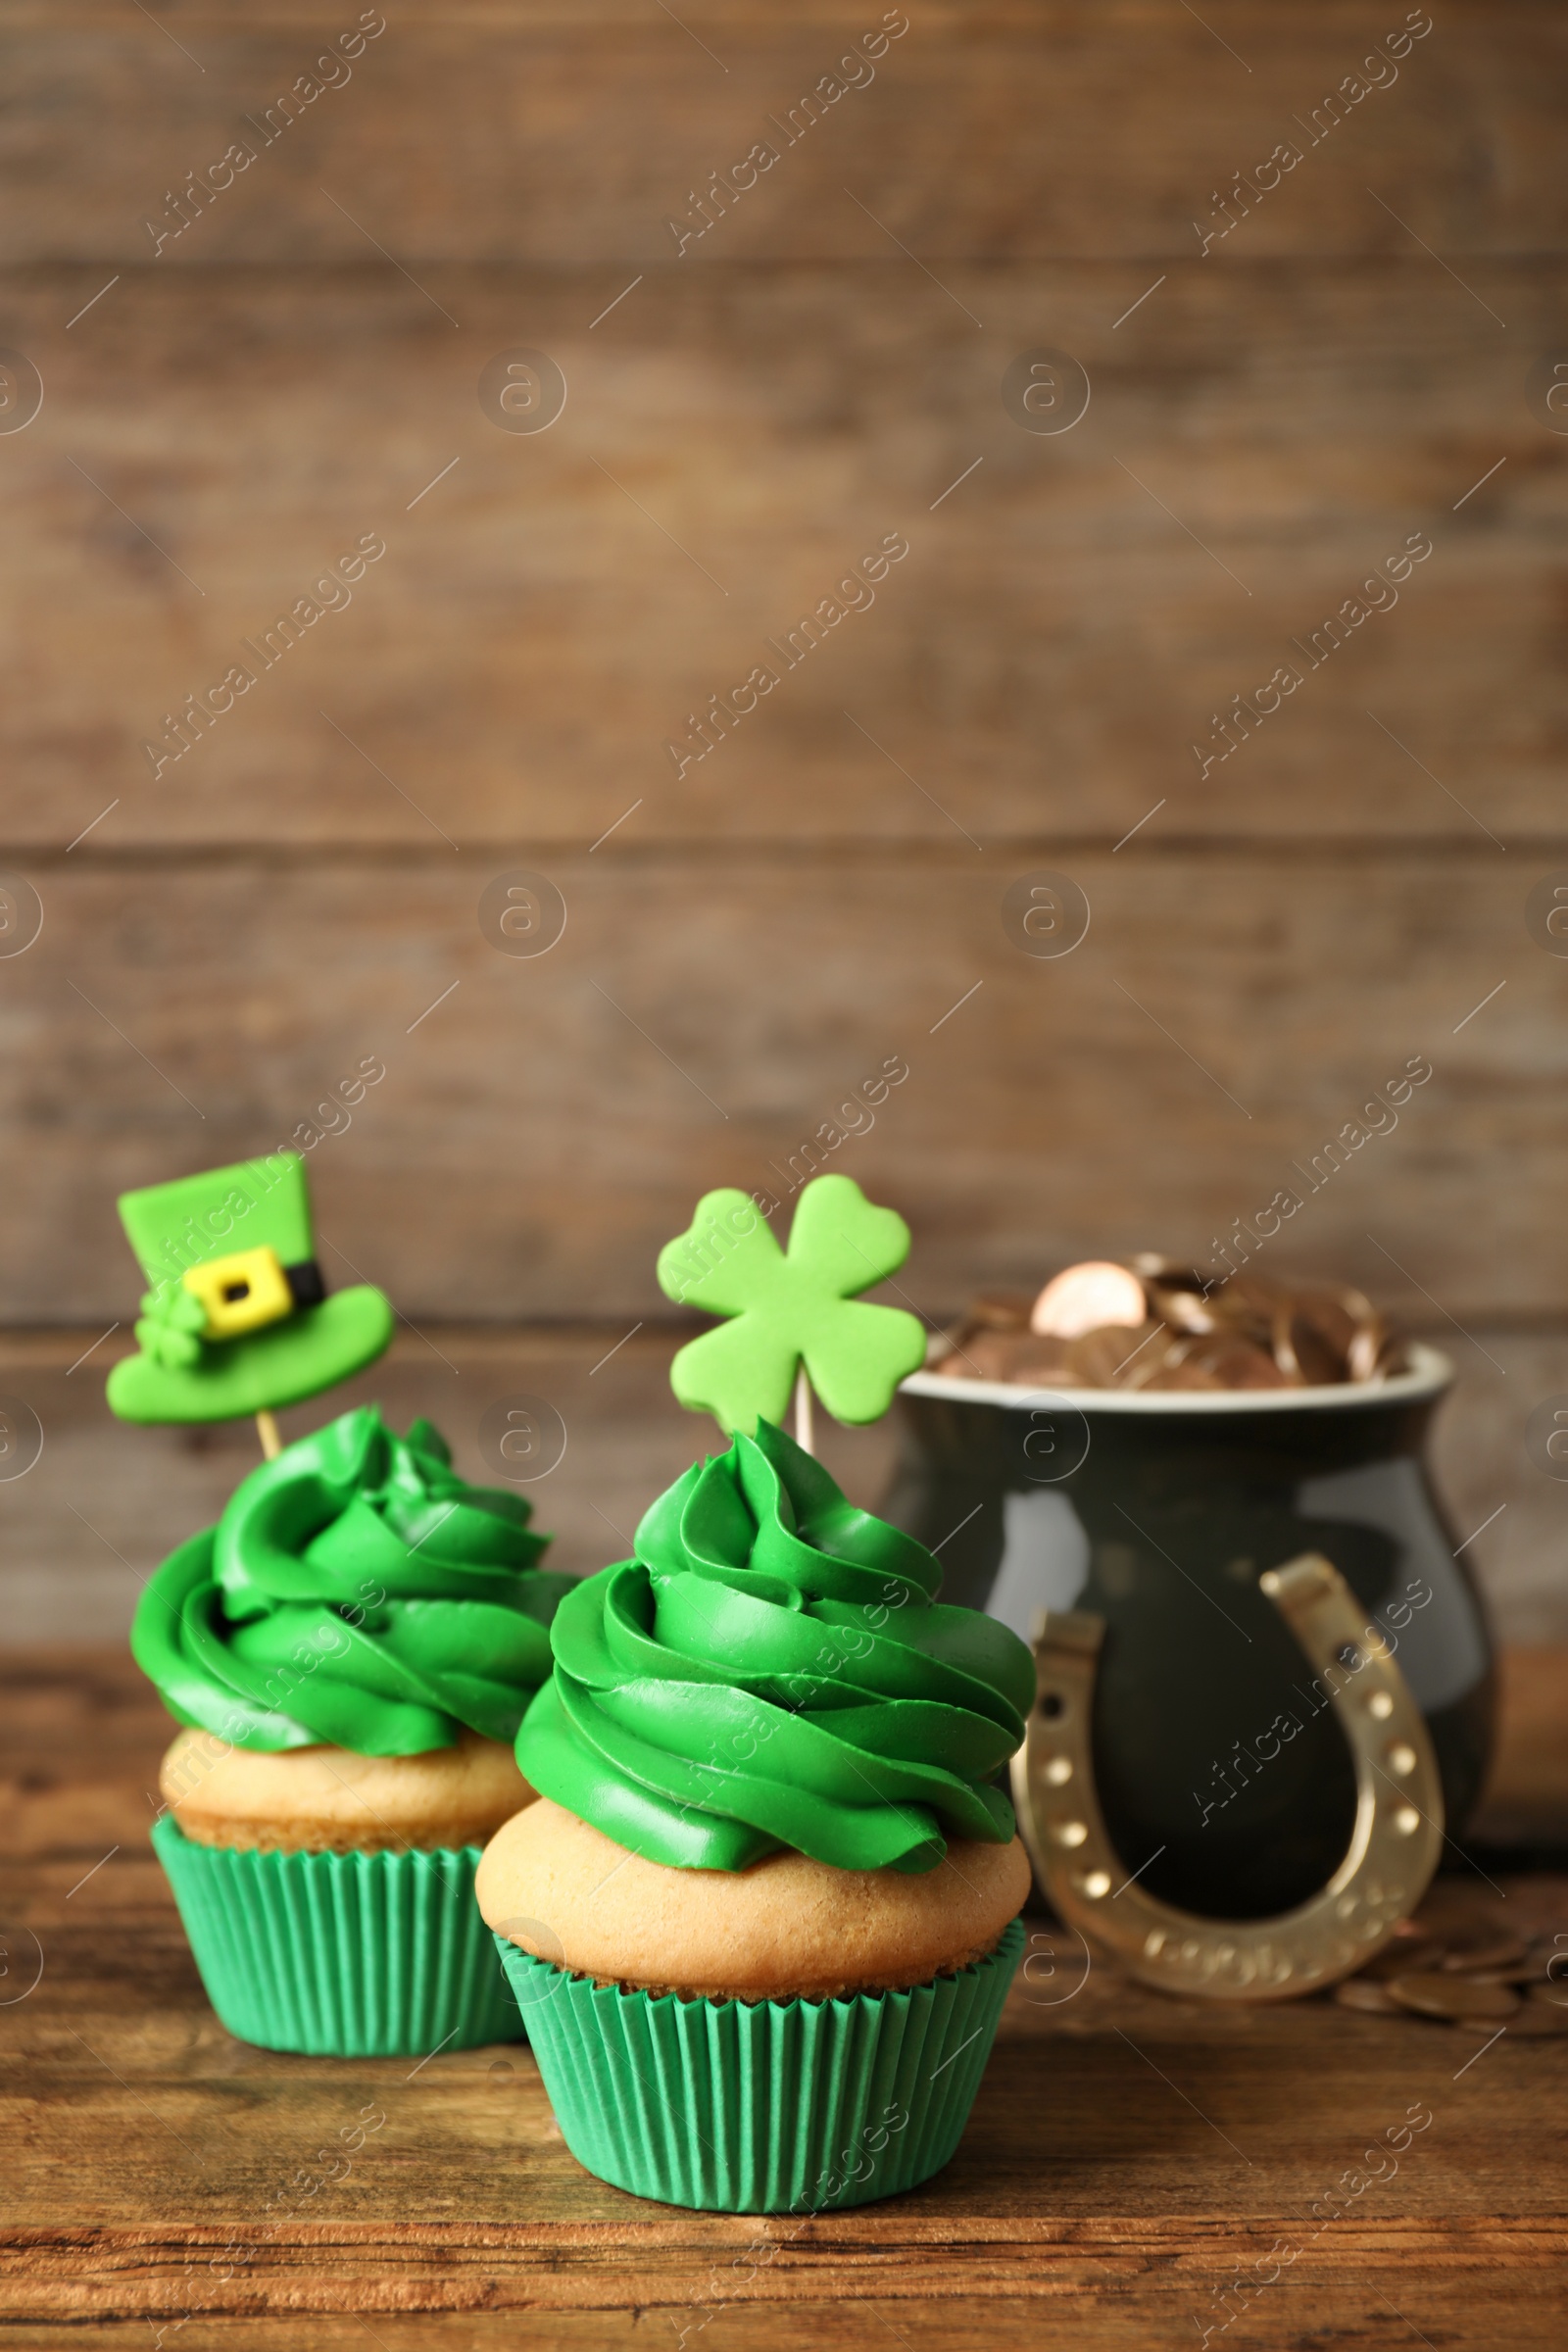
(1365, 1992)
(1318, 1361)
(1452, 1997)
(1244, 1331)
(1114, 1358)
(1246, 1309)
(1222, 1362)
(1001, 1310)
(1179, 1299)
(1408, 1955)
(1355, 1324)
(1466, 1954)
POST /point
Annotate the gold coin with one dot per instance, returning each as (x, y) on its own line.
(1434, 1995)
(1088, 1297)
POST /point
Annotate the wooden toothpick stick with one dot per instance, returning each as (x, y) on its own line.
(802, 1412)
(267, 1431)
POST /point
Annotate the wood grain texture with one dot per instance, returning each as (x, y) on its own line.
(1127, 2153)
(544, 1123)
(1145, 2316)
(1526, 1801)
(1044, 130)
(1354, 362)
(552, 614)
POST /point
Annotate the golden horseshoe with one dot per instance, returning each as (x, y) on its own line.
(1393, 1854)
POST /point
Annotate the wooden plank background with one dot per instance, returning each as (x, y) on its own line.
(1357, 363)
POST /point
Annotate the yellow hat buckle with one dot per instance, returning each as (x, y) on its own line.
(241, 1293)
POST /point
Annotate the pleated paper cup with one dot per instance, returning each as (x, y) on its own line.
(359, 1955)
(768, 2106)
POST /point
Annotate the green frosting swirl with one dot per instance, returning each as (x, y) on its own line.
(772, 1670)
(356, 1591)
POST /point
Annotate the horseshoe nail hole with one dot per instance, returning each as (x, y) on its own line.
(1347, 1907)
(1096, 1884)
(1401, 1758)
(1052, 1705)
(1381, 1705)
(1070, 1832)
(1349, 1656)
(1059, 1772)
(1407, 1821)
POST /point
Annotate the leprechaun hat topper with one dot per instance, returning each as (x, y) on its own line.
(236, 1318)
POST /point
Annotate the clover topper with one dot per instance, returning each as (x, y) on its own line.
(795, 1319)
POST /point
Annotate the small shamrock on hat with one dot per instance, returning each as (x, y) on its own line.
(173, 1321)
(790, 1308)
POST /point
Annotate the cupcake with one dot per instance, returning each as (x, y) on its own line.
(762, 1919)
(351, 1651)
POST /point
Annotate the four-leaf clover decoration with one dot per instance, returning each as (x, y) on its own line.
(790, 1308)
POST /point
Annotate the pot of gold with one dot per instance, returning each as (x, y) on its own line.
(1136, 1464)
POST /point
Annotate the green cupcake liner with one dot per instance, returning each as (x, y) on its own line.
(768, 2106)
(373, 1955)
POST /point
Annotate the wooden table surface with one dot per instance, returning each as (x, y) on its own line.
(1130, 2157)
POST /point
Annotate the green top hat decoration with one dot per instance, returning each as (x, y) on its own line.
(236, 1318)
(796, 1320)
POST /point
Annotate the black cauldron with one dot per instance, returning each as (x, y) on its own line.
(1160, 1513)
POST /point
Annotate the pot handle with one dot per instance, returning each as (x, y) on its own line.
(1393, 1849)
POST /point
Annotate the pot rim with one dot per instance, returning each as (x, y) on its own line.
(1431, 1373)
